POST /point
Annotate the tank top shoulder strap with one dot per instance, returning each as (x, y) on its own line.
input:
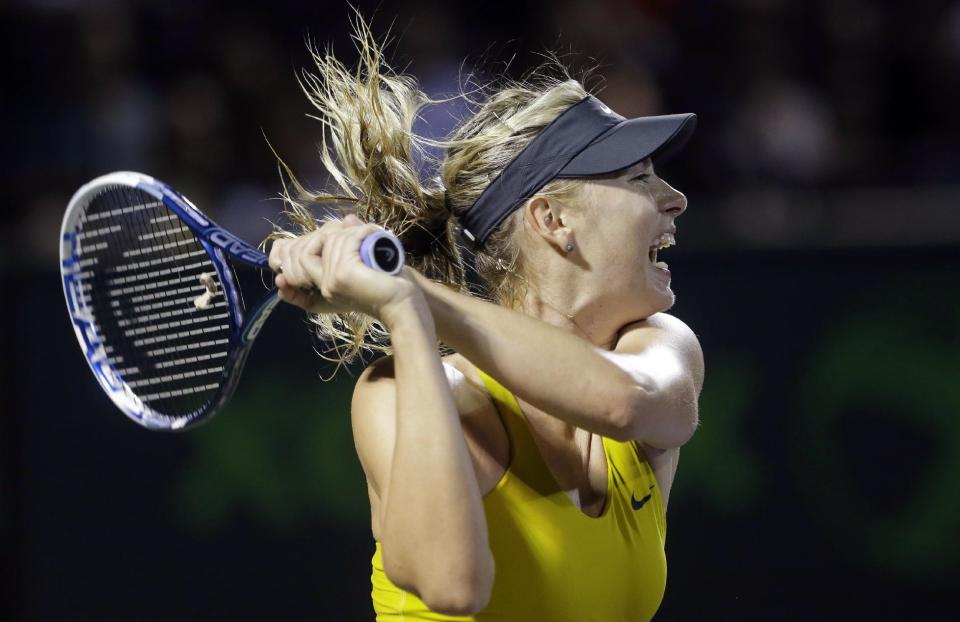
(526, 462)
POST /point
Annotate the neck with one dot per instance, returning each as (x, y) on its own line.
(579, 319)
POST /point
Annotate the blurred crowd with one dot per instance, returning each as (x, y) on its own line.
(813, 96)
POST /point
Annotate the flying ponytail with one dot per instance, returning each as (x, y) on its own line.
(368, 144)
(368, 149)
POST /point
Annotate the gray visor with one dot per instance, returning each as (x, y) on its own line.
(585, 140)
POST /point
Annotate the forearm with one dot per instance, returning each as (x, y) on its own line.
(550, 368)
(433, 519)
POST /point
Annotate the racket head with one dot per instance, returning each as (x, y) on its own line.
(155, 306)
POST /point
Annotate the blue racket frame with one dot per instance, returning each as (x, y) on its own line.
(219, 244)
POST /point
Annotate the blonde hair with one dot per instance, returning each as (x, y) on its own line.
(368, 146)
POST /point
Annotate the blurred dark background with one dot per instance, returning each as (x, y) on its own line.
(817, 263)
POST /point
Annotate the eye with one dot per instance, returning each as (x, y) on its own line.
(641, 177)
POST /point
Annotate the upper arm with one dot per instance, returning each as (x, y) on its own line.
(373, 417)
(664, 357)
(373, 413)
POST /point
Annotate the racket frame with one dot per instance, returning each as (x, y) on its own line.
(219, 244)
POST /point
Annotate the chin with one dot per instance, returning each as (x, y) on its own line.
(657, 301)
(667, 299)
(667, 307)
(651, 304)
(648, 299)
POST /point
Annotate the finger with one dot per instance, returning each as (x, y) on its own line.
(343, 253)
(274, 259)
(278, 256)
(355, 239)
(328, 263)
(307, 262)
(342, 256)
(303, 298)
(317, 239)
(347, 250)
(348, 242)
(281, 281)
(313, 243)
(303, 267)
(295, 296)
(292, 273)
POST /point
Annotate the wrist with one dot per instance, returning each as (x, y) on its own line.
(429, 287)
(444, 304)
(410, 308)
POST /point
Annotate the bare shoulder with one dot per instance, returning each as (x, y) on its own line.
(659, 325)
(663, 329)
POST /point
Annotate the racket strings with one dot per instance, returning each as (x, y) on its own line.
(157, 300)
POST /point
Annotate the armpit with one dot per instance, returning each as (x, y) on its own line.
(468, 397)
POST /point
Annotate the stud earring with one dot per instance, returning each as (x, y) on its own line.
(570, 247)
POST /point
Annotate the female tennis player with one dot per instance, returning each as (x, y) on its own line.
(525, 476)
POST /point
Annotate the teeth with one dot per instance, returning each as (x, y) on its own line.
(661, 264)
(664, 241)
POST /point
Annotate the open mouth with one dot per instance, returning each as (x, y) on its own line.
(666, 240)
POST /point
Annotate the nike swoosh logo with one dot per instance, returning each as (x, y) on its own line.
(636, 505)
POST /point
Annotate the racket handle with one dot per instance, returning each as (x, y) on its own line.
(382, 251)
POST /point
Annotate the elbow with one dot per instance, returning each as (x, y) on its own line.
(465, 602)
(446, 590)
(659, 422)
(627, 418)
(456, 606)
(681, 431)
(463, 593)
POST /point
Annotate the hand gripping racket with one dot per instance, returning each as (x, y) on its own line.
(155, 302)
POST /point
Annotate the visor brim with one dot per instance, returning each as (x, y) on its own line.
(630, 142)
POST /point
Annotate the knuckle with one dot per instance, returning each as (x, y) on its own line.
(306, 269)
(368, 229)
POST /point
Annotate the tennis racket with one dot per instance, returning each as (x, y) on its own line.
(155, 302)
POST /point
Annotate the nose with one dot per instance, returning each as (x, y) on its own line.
(671, 200)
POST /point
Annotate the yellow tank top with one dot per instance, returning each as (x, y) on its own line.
(553, 562)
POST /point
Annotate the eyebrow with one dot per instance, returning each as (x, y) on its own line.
(628, 173)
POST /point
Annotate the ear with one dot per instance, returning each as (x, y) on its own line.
(545, 218)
